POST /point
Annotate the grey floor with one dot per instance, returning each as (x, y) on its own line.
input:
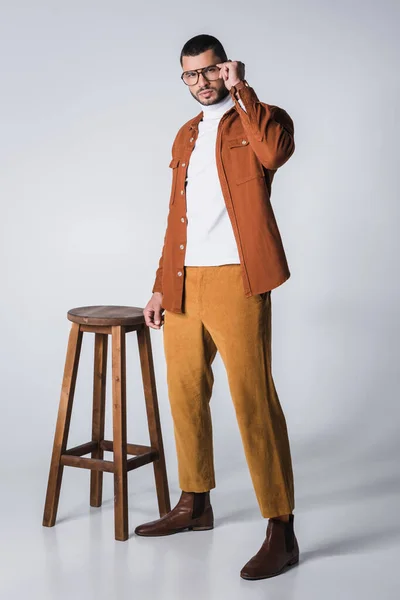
(348, 535)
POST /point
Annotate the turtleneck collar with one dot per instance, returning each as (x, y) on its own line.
(215, 111)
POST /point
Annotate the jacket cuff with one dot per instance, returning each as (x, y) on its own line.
(157, 287)
(248, 99)
(241, 84)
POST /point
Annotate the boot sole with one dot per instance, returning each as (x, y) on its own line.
(190, 528)
(291, 563)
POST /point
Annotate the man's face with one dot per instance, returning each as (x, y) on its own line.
(216, 89)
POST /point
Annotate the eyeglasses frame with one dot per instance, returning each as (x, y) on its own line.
(198, 71)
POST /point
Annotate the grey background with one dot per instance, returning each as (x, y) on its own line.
(90, 103)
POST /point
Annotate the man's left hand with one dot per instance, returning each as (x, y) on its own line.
(231, 72)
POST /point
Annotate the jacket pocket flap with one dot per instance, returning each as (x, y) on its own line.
(174, 163)
(249, 177)
(236, 142)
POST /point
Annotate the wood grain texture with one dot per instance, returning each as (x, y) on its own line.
(119, 433)
(103, 321)
(98, 414)
(62, 426)
(153, 418)
(107, 315)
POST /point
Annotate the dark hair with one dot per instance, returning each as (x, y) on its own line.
(200, 43)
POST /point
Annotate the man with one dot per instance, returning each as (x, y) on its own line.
(222, 256)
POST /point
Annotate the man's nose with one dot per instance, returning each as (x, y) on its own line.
(202, 80)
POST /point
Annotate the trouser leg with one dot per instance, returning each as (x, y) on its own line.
(241, 330)
(189, 352)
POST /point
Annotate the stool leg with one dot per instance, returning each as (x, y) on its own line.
(153, 419)
(119, 433)
(62, 426)
(98, 418)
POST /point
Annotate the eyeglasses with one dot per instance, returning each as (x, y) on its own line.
(211, 73)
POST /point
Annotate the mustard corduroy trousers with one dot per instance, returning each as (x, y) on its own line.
(217, 316)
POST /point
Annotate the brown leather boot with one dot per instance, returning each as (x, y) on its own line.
(193, 511)
(279, 551)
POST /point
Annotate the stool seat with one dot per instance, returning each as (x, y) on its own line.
(104, 315)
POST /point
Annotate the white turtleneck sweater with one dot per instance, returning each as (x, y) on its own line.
(210, 237)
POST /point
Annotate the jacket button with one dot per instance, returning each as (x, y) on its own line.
(191, 139)
(181, 246)
(182, 192)
(183, 164)
(179, 273)
(182, 219)
(244, 142)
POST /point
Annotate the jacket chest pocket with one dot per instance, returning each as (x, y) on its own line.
(244, 163)
(174, 165)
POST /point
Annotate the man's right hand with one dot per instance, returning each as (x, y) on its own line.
(153, 311)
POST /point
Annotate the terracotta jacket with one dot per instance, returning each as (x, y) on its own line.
(251, 145)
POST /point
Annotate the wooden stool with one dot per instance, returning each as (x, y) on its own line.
(102, 321)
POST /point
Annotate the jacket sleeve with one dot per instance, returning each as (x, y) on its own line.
(270, 129)
(157, 285)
